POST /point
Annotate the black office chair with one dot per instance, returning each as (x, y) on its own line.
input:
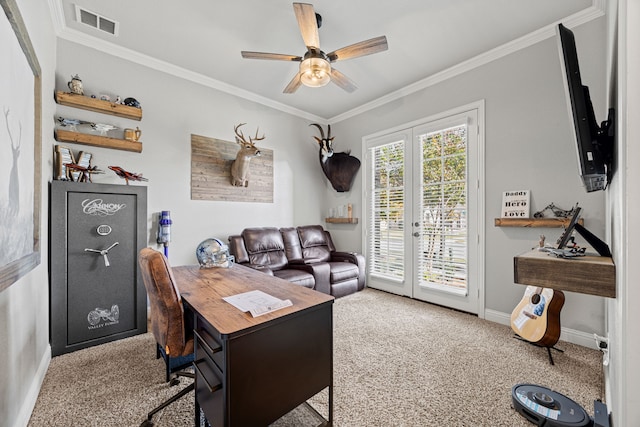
(168, 324)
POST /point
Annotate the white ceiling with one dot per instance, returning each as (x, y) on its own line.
(201, 40)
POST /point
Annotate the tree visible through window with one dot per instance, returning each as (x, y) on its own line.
(443, 243)
(386, 239)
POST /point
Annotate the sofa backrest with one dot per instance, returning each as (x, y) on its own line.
(293, 250)
(275, 248)
(315, 242)
(264, 246)
(238, 249)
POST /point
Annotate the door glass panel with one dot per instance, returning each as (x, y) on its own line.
(386, 224)
(442, 260)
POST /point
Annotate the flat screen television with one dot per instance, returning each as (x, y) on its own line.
(594, 143)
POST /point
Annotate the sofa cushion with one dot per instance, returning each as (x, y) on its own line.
(341, 271)
(265, 247)
(297, 277)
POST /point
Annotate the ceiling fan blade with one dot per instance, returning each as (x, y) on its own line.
(293, 85)
(265, 55)
(367, 47)
(306, 17)
(343, 81)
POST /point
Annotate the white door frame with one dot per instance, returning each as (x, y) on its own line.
(476, 267)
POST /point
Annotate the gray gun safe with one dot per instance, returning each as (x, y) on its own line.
(96, 291)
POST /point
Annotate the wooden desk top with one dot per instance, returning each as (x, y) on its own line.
(204, 288)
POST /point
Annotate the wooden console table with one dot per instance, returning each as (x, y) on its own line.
(590, 274)
(251, 371)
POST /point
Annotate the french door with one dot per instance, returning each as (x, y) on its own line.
(424, 210)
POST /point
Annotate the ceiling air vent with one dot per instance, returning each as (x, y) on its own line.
(96, 21)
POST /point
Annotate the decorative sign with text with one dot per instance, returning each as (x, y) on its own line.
(515, 204)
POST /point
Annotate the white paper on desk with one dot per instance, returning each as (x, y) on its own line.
(257, 302)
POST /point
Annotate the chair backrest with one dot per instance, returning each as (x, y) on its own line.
(167, 312)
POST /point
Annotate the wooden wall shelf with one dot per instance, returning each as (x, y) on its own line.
(98, 105)
(97, 141)
(591, 274)
(342, 220)
(534, 222)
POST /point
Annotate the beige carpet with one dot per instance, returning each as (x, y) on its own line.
(398, 362)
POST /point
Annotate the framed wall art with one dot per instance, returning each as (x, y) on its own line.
(20, 148)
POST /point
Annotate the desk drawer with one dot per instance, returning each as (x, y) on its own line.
(208, 348)
(209, 392)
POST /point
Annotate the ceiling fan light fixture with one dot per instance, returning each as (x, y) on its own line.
(315, 72)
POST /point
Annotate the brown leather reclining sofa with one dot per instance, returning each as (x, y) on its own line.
(303, 255)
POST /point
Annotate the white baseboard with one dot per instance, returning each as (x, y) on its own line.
(584, 339)
(34, 390)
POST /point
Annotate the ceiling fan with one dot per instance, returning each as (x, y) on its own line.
(315, 65)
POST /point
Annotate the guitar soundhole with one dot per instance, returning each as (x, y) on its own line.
(535, 298)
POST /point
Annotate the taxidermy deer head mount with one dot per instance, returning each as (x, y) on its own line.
(247, 151)
(339, 168)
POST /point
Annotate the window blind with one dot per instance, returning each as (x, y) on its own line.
(386, 225)
(443, 243)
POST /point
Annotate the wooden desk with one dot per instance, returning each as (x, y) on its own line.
(252, 371)
(591, 274)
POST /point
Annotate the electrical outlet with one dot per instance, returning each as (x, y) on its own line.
(603, 345)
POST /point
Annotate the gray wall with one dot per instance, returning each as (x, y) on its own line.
(173, 109)
(528, 146)
(24, 306)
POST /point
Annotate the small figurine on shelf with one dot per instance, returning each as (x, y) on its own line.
(118, 100)
(132, 135)
(75, 85)
(72, 123)
(127, 175)
(85, 171)
(132, 102)
(102, 128)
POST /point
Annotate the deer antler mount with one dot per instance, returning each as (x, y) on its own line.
(247, 151)
(339, 168)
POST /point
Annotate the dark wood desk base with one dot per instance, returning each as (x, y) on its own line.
(252, 371)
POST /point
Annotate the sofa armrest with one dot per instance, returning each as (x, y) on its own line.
(321, 272)
(353, 258)
(302, 261)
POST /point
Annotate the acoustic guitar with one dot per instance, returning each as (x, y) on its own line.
(537, 317)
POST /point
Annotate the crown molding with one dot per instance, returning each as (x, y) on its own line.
(75, 36)
(595, 11)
